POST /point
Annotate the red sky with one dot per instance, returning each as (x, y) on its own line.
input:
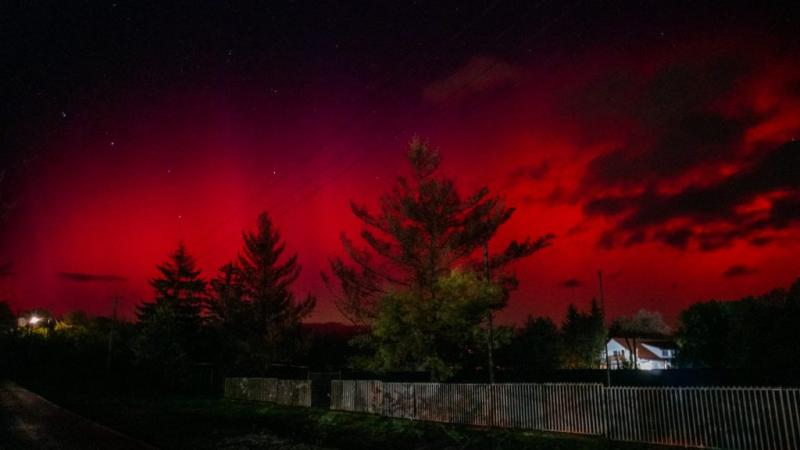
(668, 164)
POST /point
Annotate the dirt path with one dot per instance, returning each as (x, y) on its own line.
(28, 421)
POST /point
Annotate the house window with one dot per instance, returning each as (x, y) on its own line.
(666, 353)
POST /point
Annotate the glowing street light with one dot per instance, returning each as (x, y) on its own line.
(34, 320)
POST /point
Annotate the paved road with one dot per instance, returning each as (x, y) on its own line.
(28, 421)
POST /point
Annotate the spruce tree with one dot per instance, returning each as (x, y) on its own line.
(266, 281)
(226, 305)
(584, 336)
(178, 285)
(170, 326)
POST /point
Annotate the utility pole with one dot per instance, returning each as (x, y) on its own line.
(111, 331)
(490, 314)
(605, 344)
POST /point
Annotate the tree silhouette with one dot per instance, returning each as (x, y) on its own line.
(179, 285)
(7, 319)
(535, 345)
(170, 325)
(266, 283)
(423, 230)
(753, 332)
(226, 304)
(584, 337)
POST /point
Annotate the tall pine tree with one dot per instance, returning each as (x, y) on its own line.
(226, 305)
(423, 231)
(266, 279)
(584, 336)
(170, 325)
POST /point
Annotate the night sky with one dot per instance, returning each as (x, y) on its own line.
(656, 140)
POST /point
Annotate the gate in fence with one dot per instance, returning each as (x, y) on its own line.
(707, 417)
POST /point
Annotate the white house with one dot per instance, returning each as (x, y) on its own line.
(651, 354)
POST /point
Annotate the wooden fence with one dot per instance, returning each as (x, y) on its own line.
(282, 392)
(706, 417)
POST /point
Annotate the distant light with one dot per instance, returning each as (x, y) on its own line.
(35, 319)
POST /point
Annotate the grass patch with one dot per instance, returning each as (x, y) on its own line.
(196, 423)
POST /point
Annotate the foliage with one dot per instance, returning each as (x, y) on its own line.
(754, 332)
(169, 327)
(642, 324)
(433, 334)
(536, 345)
(7, 319)
(423, 230)
(252, 308)
(584, 336)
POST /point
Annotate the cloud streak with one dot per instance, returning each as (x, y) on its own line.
(479, 74)
(90, 277)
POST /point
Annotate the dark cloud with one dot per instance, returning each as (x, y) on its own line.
(678, 238)
(715, 204)
(479, 74)
(739, 270)
(90, 277)
(761, 241)
(676, 130)
(692, 141)
(571, 283)
(533, 172)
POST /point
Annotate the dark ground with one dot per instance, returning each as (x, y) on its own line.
(28, 421)
(197, 422)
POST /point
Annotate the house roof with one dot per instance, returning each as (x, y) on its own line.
(645, 353)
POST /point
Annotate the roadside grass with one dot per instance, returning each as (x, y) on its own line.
(191, 422)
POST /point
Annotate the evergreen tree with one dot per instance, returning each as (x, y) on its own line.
(170, 326)
(179, 285)
(423, 230)
(756, 333)
(275, 313)
(8, 322)
(226, 305)
(233, 325)
(584, 335)
(537, 345)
